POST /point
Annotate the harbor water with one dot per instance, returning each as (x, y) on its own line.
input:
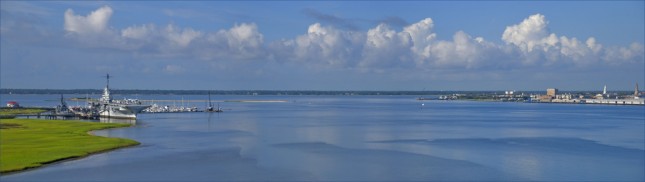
(364, 138)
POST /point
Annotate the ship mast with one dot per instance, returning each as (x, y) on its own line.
(106, 92)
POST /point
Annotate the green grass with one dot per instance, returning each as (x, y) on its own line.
(14, 111)
(29, 143)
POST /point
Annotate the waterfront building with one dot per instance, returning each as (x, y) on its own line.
(552, 96)
(603, 95)
(599, 96)
(552, 92)
(636, 93)
(13, 104)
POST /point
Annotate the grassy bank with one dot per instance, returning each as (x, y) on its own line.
(29, 143)
(8, 113)
(14, 111)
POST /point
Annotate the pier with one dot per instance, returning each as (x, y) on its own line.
(616, 101)
(204, 101)
(54, 116)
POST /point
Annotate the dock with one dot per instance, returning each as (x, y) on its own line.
(205, 101)
(53, 116)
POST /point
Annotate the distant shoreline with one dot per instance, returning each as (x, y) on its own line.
(268, 92)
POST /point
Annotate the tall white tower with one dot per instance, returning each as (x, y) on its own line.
(636, 90)
(604, 90)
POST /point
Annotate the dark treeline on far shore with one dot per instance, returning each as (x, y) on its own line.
(273, 92)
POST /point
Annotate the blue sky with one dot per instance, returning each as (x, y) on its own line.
(356, 45)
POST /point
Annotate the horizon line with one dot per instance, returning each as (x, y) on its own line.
(305, 90)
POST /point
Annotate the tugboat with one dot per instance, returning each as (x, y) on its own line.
(124, 109)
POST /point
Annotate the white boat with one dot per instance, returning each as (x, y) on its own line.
(125, 109)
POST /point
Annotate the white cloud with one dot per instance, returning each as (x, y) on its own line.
(95, 22)
(173, 69)
(178, 37)
(528, 43)
(385, 48)
(530, 33)
(240, 42)
(321, 46)
(532, 37)
(170, 40)
(142, 32)
(618, 55)
(591, 44)
(421, 34)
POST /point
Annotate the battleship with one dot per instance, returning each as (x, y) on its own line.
(109, 108)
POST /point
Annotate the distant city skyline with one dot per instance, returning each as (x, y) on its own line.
(435, 45)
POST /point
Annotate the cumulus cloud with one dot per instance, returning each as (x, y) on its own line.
(535, 41)
(242, 41)
(530, 33)
(142, 32)
(421, 34)
(321, 45)
(385, 47)
(169, 37)
(528, 43)
(180, 37)
(95, 22)
(382, 47)
(618, 55)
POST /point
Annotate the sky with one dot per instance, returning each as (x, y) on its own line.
(323, 45)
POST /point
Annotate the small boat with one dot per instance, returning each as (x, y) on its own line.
(210, 105)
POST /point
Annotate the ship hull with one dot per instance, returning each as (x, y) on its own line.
(122, 111)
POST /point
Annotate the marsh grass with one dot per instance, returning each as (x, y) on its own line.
(29, 143)
(11, 112)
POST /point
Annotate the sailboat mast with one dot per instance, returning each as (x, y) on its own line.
(210, 104)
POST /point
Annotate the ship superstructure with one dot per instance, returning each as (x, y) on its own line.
(126, 108)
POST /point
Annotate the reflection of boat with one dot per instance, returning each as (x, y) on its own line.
(126, 108)
(210, 105)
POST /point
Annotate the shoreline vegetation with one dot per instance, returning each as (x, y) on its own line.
(32, 143)
(274, 92)
(10, 113)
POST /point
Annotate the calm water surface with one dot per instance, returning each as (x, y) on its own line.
(365, 138)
